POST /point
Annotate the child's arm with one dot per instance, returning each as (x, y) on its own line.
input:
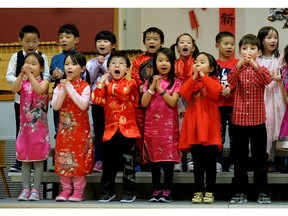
(147, 96)
(11, 70)
(16, 86)
(59, 95)
(82, 101)
(171, 100)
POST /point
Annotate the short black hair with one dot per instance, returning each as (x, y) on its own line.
(28, 29)
(69, 29)
(222, 34)
(119, 54)
(249, 39)
(77, 58)
(106, 35)
(155, 30)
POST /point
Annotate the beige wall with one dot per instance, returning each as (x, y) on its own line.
(174, 21)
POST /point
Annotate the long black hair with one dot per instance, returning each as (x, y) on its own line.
(171, 56)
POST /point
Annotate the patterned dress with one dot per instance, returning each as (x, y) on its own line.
(161, 134)
(283, 135)
(73, 149)
(33, 140)
(274, 99)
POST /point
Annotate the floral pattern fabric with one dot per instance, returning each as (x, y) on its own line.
(33, 141)
(74, 150)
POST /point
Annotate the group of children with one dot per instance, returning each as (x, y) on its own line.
(170, 109)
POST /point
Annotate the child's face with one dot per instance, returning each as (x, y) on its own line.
(104, 47)
(270, 42)
(68, 41)
(118, 68)
(152, 42)
(248, 49)
(72, 70)
(226, 47)
(202, 64)
(30, 42)
(34, 64)
(163, 64)
(185, 46)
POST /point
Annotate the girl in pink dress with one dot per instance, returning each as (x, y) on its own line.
(73, 149)
(283, 135)
(32, 144)
(161, 133)
(274, 92)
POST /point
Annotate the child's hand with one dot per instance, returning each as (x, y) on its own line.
(226, 91)
(57, 73)
(105, 78)
(101, 59)
(155, 81)
(195, 75)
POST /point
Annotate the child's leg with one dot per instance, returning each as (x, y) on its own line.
(197, 152)
(156, 176)
(210, 153)
(168, 174)
(128, 163)
(79, 189)
(79, 184)
(66, 184)
(26, 174)
(38, 173)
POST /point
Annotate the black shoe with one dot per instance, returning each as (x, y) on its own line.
(128, 197)
(239, 198)
(107, 196)
(15, 168)
(157, 194)
(263, 199)
(166, 196)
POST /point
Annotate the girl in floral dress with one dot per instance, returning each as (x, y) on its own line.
(32, 145)
(274, 92)
(73, 149)
(161, 133)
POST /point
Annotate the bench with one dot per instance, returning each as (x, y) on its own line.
(145, 177)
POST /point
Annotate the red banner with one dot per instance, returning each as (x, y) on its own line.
(227, 20)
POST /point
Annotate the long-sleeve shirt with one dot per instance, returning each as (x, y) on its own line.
(249, 108)
(118, 99)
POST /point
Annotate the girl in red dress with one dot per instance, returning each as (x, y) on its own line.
(73, 150)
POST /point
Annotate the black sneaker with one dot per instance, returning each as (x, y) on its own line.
(157, 194)
(263, 199)
(128, 197)
(15, 168)
(107, 196)
(239, 198)
(166, 196)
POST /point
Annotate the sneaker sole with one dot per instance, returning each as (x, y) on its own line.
(22, 199)
(264, 202)
(164, 200)
(61, 199)
(34, 199)
(106, 201)
(75, 199)
(241, 202)
(128, 201)
(153, 200)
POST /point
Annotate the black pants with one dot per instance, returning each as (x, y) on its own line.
(168, 168)
(17, 118)
(257, 137)
(118, 152)
(98, 118)
(204, 158)
(226, 114)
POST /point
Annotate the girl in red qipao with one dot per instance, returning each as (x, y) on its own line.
(200, 132)
(118, 97)
(187, 49)
(73, 149)
(161, 132)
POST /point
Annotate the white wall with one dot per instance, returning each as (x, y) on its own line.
(175, 21)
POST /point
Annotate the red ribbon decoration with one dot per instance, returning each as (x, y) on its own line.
(194, 22)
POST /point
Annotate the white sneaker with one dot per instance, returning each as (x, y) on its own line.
(218, 167)
(231, 168)
(178, 167)
(190, 166)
